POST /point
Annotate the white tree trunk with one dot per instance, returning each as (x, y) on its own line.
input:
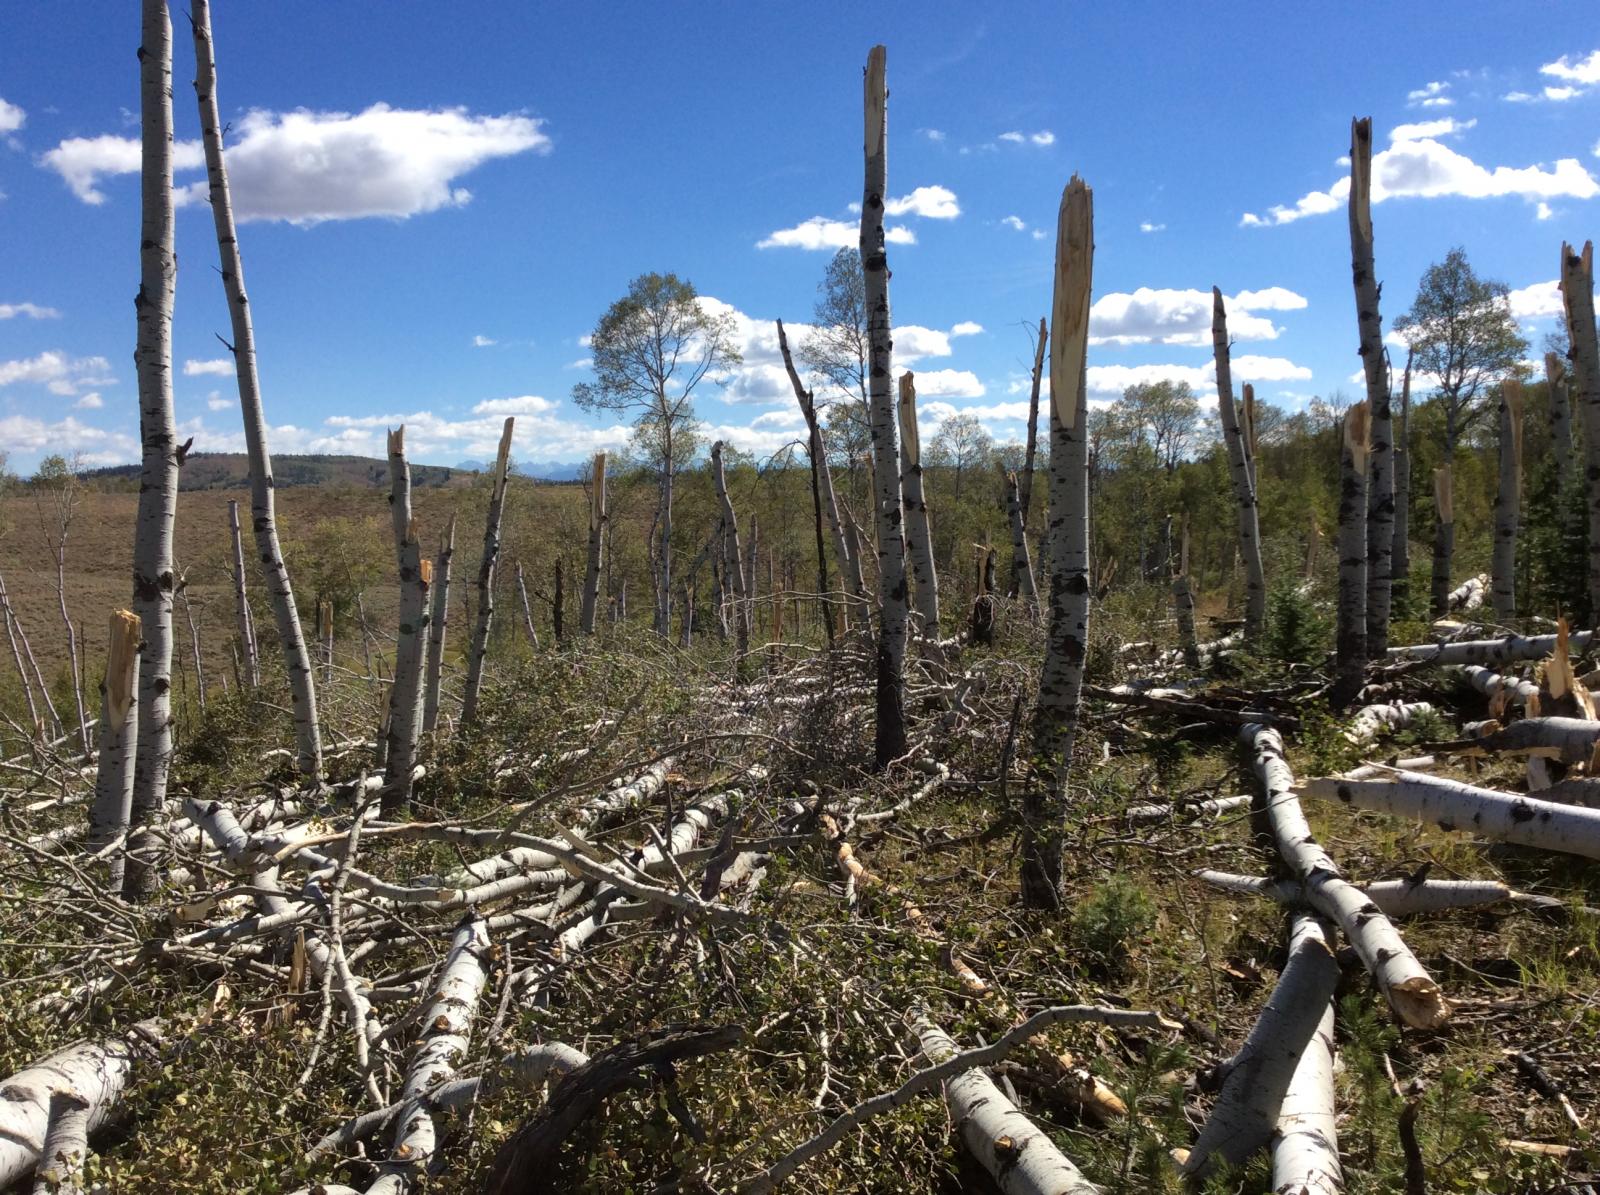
(1025, 480)
(1487, 651)
(1255, 613)
(890, 734)
(1400, 556)
(119, 729)
(733, 560)
(1183, 603)
(1351, 643)
(1508, 500)
(1372, 720)
(1055, 713)
(486, 570)
(1021, 560)
(1410, 990)
(1380, 477)
(1305, 1147)
(1577, 295)
(263, 518)
(158, 479)
(1555, 376)
(1570, 740)
(919, 536)
(250, 671)
(597, 530)
(438, 625)
(411, 640)
(1394, 898)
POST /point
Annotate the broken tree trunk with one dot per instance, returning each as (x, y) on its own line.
(597, 526)
(1305, 1147)
(1022, 584)
(1255, 613)
(1374, 364)
(1410, 990)
(250, 671)
(17, 640)
(486, 569)
(263, 515)
(733, 560)
(411, 640)
(113, 785)
(438, 623)
(1555, 376)
(1055, 712)
(1488, 651)
(158, 479)
(1507, 502)
(527, 609)
(890, 730)
(1444, 542)
(1025, 479)
(1351, 642)
(1400, 556)
(919, 539)
(1183, 602)
(1577, 297)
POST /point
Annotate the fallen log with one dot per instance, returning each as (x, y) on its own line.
(1174, 701)
(1372, 720)
(1394, 898)
(1305, 1147)
(1487, 651)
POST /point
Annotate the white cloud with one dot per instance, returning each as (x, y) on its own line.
(912, 342)
(784, 418)
(1562, 93)
(1042, 137)
(27, 434)
(1014, 137)
(580, 363)
(967, 328)
(1109, 381)
(1429, 169)
(215, 401)
(1445, 127)
(948, 383)
(1518, 97)
(1585, 72)
(306, 167)
(523, 404)
(1149, 316)
(221, 367)
(819, 232)
(57, 372)
(482, 342)
(1038, 234)
(1541, 300)
(1147, 226)
(1014, 222)
(31, 310)
(1430, 96)
(932, 134)
(1543, 211)
(90, 402)
(12, 117)
(931, 203)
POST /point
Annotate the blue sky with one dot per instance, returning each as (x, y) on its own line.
(426, 179)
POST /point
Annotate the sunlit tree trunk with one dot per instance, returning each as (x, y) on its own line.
(1555, 376)
(438, 624)
(919, 537)
(1183, 603)
(486, 569)
(411, 641)
(263, 517)
(597, 525)
(1400, 557)
(890, 736)
(1055, 713)
(119, 729)
(1025, 478)
(1351, 639)
(1507, 502)
(158, 480)
(1444, 541)
(1577, 293)
(250, 671)
(1255, 612)
(732, 559)
(1021, 561)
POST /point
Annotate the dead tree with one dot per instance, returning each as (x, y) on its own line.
(527, 611)
(597, 525)
(1025, 478)
(119, 729)
(1055, 712)
(22, 650)
(558, 601)
(732, 559)
(438, 624)
(1555, 376)
(1374, 364)
(890, 734)
(1183, 602)
(919, 538)
(1022, 584)
(411, 641)
(162, 456)
(1444, 541)
(1577, 296)
(1507, 502)
(486, 568)
(263, 515)
(1351, 640)
(250, 671)
(56, 497)
(1244, 489)
(1400, 555)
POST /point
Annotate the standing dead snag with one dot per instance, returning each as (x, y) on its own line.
(1183, 602)
(1400, 554)
(263, 516)
(1351, 642)
(158, 478)
(1025, 479)
(891, 717)
(919, 539)
(597, 528)
(438, 623)
(1444, 542)
(119, 728)
(250, 674)
(1507, 501)
(1021, 562)
(1055, 711)
(1555, 376)
(1577, 297)
(486, 567)
(733, 561)
(1244, 488)
(411, 643)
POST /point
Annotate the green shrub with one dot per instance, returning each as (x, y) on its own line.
(1115, 912)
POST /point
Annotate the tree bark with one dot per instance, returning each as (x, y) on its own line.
(1444, 542)
(1055, 713)
(1507, 502)
(1351, 640)
(1555, 376)
(119, 731)
(733, 560)
(1255, 613)
(438, 624)
(411, 641)
(263, 517)
(558, 612)
(1183, 602)
(13, 634)
(1025, 480)
(597, 524)
(1400, 555)
(1577, 295)
(919, 537)
(1305, 1147)
(527, 610)
(158, 479)
(486, 570)
(1023, 586)
(890, 731)
(251, 669)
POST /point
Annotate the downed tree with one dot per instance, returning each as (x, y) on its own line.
(1487, 651)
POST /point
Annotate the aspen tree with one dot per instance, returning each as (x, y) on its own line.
(919, 539)
(486, 570)
(1244, 488)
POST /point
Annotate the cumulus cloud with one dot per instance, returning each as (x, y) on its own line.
(12, 117)
(31, 310)
(967, 328)
(1446, 127)
(1042, 137)
(27, 435)
(819, 232)
(1147, 226)
(948, 383)
(1579, 74)
(1426, 168)
(1149, 316)
(215, 401)
(1543, 211)
(784, 418)
(305, 167)
(1014, 137)
(220, 366)
(1431, 95)
(58, 372)
(1014, 222)
(1541, 300)
(931, 203)
(482, 342)
(912, 342)
(522, 404)
(90, 402)
(1109, 381)
(935, 135)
